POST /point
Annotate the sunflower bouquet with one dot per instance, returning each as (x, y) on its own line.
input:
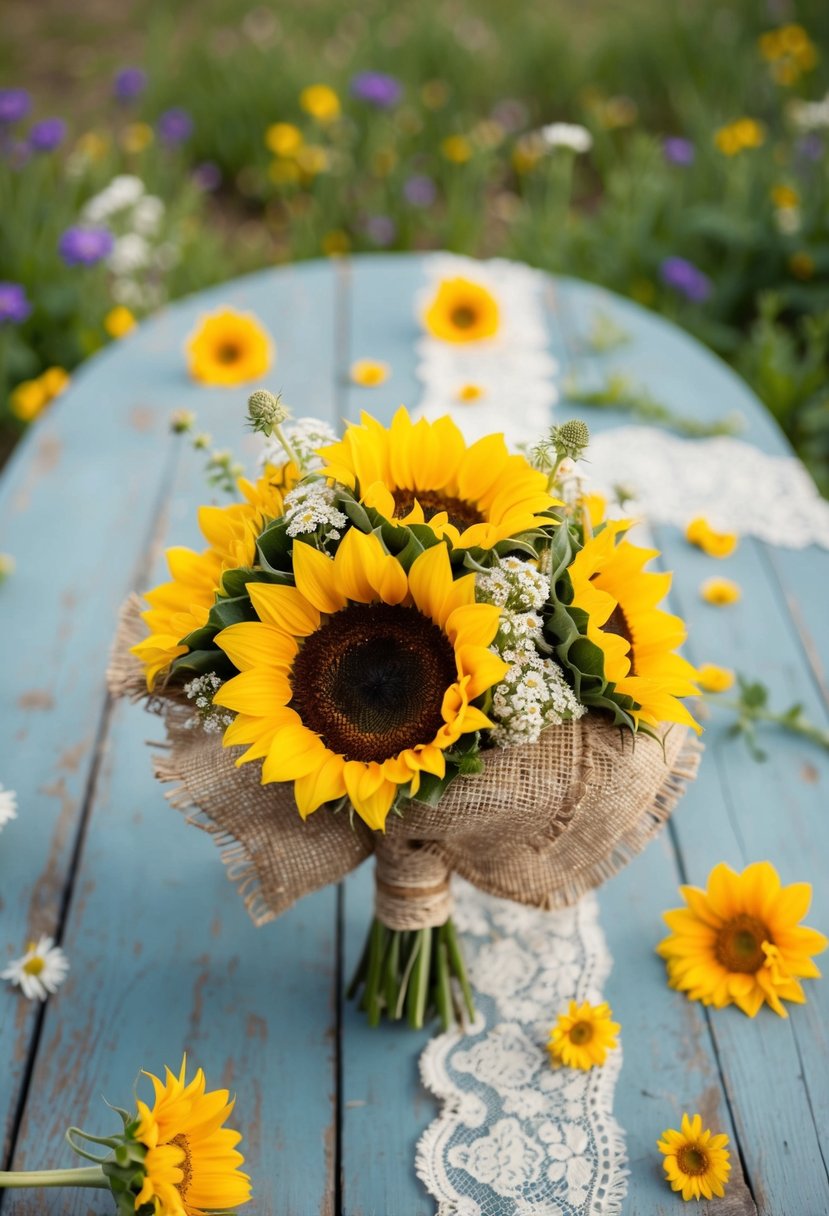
(443, 654)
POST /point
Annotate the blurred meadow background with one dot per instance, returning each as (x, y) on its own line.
(676, 153)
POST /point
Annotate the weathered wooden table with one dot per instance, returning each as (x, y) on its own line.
(162, 954)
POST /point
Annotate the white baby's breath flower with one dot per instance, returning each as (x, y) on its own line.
(147, 215)
(41, 970)
(129, 253)
(8, 806)
(567, 135)
(213, 719)
(313, 505)
(305, 435)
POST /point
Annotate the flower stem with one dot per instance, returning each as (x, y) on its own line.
(91, 1176)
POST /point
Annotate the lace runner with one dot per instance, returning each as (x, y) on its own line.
(733, 484)
(517, 1137)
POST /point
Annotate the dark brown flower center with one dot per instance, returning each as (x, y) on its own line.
(692, 1160)
(739, 944)
(462, 514)
(228, 352)
(371, 681)
(464, 316)
(581, 1033)
(185, 1165)
(617, 623)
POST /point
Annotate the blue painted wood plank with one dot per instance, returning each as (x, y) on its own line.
(162, 952)
(741, 811)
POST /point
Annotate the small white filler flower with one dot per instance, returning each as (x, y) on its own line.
(41, 970)
(8, 806)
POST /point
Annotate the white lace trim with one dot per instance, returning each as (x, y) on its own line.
(517, 1137)
(734, 485)
(514, 369)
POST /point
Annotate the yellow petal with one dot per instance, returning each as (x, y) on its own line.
(316, 578)
(285, 607)
(257, 692)
(254, 644)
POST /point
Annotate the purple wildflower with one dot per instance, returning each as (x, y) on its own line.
(686, 279)
(678, 151)
(129, 83)
(376, 88)
(381, 229)
(175, 126)
(420, 190)
(47, 134)
(207, 176)
(14, 304)
(14, 105)
(85, 246)
(810, 147)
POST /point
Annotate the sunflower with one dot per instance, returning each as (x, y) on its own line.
(192, 1162)
(462, 311)
(636, 638)
(229, 348)
(740, 941)
(582, 1037)
(423, 472)
(358, 679)
(179, 607)
(696, 1162)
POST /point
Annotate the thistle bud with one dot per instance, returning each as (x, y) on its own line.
(570, 439)
(265, 411)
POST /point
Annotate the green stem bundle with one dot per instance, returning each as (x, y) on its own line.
(409, 973)
(91, 1177)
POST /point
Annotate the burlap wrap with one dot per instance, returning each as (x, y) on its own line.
(541, 825)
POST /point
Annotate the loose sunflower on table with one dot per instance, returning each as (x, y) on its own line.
(438, 652)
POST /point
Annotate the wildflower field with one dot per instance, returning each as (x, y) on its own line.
(675, 153)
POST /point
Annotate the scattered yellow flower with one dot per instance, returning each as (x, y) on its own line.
(192, 1160)
(615, 112)
(696, 1162)
(369, 373)
(802, 265)
(789, 52)
(785, 197)
(740, 941)
(737, 136)
(229, 348)
(284, 172)
(283, 138)
(462, 311)
(92, 145)
(7, 566)
(321, 102)
(716, 544)
(336, 242)
(720, 591)
(712, 678)
(582, 1037)
(470, 392)
(312, 159)
(136, 136)
(119, 321)
(528, 151)
(457, 149)
(31, 397)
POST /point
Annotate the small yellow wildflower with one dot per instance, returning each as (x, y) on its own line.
(228, 348)
(321, 102)
(54, 381)
(736, 137)
(789, 52)
(369, 373)
(136, 136)
(696, 1162)
(720, 591)
(716, 544)
(312, 160)
(457, 149)
(582, 1037)
(712, 678)
(802, 265)
(617, 112)
(92, 145)
(283, 138)
(528, 151)
(7, 566)
(336, 242)
(785, 197)
(284, 172)
(30, 397)
(470, 392)
(119, 321)
(434, 94)
(462, 310)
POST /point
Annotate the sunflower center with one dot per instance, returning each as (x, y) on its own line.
(228, 352)
(462, 514)
(692, 1160)
(581, 1033)
(739, 945)
(371, 681)
(34, 966)
(185, 1165)
(464, 316)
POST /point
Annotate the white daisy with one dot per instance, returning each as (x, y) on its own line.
(41, 970)
(8, 806)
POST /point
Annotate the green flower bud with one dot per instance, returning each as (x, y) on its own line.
(265, 411)
(182, 421)
(571, 438)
